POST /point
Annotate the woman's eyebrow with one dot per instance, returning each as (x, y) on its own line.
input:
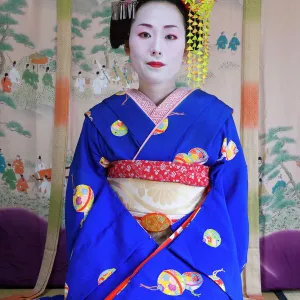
(150, 26)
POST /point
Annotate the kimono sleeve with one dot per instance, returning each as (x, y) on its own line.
(234, 182)
(87, 177)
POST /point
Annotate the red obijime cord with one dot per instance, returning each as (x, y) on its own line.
(123, 285)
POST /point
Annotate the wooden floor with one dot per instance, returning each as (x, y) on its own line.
(270, 296)
(292, 295)
(5, 293)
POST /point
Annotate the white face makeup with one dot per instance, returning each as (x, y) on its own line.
(157, 42)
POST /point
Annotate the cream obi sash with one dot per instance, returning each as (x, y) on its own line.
(156, 193)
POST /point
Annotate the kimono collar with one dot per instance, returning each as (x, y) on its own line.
(153, 111)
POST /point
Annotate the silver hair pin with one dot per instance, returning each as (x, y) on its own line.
(134, 3)
(129, 10)
(123, 9)
(115, 10)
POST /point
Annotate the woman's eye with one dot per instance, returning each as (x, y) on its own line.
(171, 37)
(144, 35)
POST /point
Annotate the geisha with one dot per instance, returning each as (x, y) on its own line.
(156, 203)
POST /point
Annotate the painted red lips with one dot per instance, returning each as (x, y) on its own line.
(155, 64)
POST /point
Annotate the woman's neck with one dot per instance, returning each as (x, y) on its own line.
(156, 92)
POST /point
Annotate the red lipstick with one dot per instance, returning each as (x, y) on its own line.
(155, 64)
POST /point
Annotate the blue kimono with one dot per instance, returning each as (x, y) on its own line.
(2, 163)
(106, 244)
(234, 43)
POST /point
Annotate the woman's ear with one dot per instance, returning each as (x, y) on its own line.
(126, 48)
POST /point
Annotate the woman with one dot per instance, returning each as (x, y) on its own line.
(6, 84)
(14, 74)
(39, 165)
(80, 83)
(156, 204)
(47, 78)
(22, 185)
(18, 165)
(2, 162)
(45, 188)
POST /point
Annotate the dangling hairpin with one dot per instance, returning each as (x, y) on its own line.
(124, 9)
(114, 10)
(198, 39)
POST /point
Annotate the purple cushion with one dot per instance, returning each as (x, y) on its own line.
(280, 260)
(23, 237)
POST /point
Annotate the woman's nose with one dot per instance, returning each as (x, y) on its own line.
(155, 52)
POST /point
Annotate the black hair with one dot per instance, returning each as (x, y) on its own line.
(97, 72)
(40, 157)
(6, 74)
(79, 72)
(120, 29)
(47, 69)
(14, 63)
(27, 65)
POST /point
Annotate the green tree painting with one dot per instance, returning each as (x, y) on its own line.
(51, 54)
(78, 51)
(103, 36)
(79, 27)
(285, 194)
(8, 11)
(11, 125)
